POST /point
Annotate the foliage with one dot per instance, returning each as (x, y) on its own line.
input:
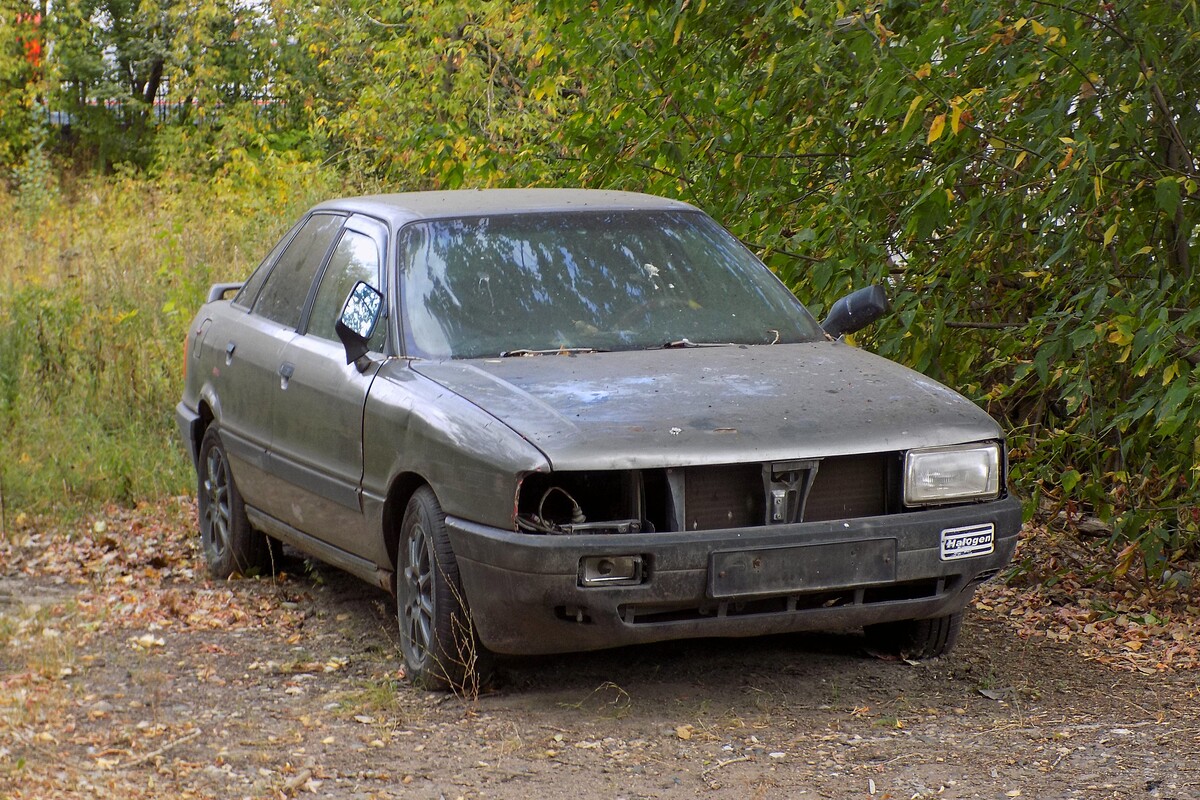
(20, 78)
(431, 94)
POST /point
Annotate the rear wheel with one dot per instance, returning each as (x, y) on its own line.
(916, 638)
(230, 545)
(437, 637)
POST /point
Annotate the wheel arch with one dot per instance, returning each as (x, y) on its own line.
(402, 488)
(206, 418)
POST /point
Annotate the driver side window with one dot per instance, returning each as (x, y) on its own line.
(356, 258)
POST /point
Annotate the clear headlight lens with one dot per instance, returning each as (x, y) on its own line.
(952, 474)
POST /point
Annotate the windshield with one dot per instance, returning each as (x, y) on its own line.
(611, 280)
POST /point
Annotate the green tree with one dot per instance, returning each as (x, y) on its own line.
(22, 76)
(428, 94)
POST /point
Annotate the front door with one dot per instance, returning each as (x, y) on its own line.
(317, 416)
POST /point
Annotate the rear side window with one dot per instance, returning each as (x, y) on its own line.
(355, 259)
(282, 297)
(249, 291)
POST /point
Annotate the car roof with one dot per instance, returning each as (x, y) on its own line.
(405, 207)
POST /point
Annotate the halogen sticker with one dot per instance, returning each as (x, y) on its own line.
(967, 542)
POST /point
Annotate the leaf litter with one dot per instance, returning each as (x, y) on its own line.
(107, 620)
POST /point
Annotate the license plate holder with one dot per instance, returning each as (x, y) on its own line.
(801, 568)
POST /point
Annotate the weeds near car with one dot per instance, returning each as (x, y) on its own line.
(98, 283)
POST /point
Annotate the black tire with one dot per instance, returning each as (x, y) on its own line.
(230, 545)
(437, 637)
(917, 639)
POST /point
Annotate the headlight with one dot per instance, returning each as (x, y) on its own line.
(952, 474)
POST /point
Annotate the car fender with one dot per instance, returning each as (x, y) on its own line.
(472, 460)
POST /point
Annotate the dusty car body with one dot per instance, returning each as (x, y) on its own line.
(505, 408)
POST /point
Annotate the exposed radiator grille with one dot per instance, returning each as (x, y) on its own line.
(737, 495)
(723, 497)
(847, 487)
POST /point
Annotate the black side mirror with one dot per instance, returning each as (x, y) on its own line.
(359, 317)
(856, 311)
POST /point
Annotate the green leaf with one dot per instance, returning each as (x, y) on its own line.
(1166, 195)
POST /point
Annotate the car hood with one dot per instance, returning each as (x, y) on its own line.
(713, 405)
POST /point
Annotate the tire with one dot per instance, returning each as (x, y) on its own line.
(917, 639)
(437, 637)
(230, 545)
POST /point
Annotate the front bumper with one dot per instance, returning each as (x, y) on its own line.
(525, 594)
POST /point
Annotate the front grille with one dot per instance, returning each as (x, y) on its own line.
(723, 497)
(740, 495)
(847, 487)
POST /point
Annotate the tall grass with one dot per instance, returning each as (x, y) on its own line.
(99, 279)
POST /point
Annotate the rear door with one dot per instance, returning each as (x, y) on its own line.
(250, 352)
(317, 414)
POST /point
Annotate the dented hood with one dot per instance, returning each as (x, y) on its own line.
(713, 405)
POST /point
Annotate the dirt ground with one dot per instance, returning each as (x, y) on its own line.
(125, 673)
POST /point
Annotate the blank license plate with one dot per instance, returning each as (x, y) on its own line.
(804, 568)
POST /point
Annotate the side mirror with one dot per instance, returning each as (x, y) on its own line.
(359, 317)
(856, 311)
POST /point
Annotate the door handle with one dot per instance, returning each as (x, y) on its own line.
(286, 370)
(229, 348)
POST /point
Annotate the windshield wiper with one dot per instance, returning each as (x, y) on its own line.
(684, 343)
(554, 351)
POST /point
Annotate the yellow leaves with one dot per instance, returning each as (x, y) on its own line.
(881, 31)
(924, 72)
(146, 642)
(959, 115)
(1038, 27)
(1020, 157)
(1170, 372)
(912, 107)
(1098, 185)
(1109, 234)
(935, 130)
(1067, 159)
(1120, 336)
(956, 118)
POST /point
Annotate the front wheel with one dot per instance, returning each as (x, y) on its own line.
(230, 545)
(916, 638)
(437, 637)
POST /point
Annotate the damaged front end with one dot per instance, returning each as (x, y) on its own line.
(711, 497)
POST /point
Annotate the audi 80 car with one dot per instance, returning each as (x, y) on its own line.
(562, 420)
